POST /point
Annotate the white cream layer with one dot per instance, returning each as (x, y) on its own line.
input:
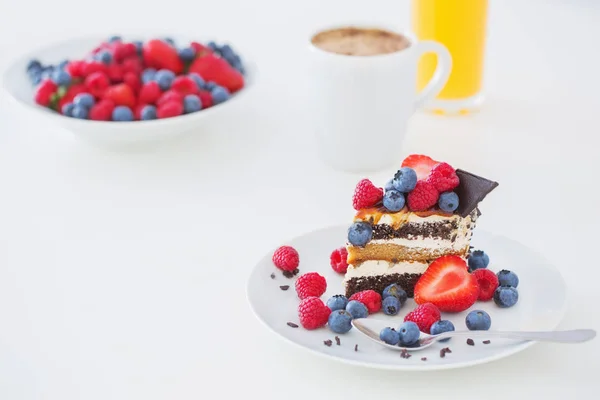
(379, 267)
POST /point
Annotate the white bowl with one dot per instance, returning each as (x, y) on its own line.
(109, 133)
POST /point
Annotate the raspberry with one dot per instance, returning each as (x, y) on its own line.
(310, 285)
(89, 68)
(184, 85)
(168, 96)
(443, 177)
(366, 195)
(123, 50)
(133, 81)
(149, 93)
(137, 111)
(44, 92)
(205, 98)
(132, 65)
(338, 259)
(75, 68)
(97, 83)
(370, 298)
(424, 316)
(169, 109)
(286, 258)
(423, 196)
(115, 73)
(487, 281)
(313, 313)
(102, 111)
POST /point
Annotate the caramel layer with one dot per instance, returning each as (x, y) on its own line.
(397, 253)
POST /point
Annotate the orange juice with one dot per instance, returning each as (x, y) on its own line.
(460, 25)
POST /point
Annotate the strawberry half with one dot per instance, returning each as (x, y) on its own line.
(217, 70)
(158, 54)
(448, 285)
(421, 164)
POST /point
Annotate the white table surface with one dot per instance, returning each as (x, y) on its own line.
(122, 276)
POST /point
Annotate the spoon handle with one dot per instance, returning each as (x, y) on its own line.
(572, 336)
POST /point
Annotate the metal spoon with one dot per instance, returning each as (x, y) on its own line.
(371, 328)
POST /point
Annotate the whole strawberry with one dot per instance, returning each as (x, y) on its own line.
(366, 195)
(215, 69)
(423, 196)
(338, 260)
(44, 92)
(286, 258)
(313, 313)
(443, 177)
(310, 284)
(160, 55)
(370, 298)
(424, 316)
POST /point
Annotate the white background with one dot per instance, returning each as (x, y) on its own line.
(122, 276)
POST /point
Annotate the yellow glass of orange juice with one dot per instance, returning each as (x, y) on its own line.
(460, 25)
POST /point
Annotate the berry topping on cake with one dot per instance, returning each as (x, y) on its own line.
(424, 316)
(409, 333)
(422, 197)
(370, 298)
(487, 282)
(366, 195)
(441, 327)
(405, 180)
(313, 313)
(448, 202)
(286, 258)
(448, 285)
(421, 164)
(357, 309)
(360, 233)
(396, 291)
(478, 259)
(390, 305)
(508, 278)
(478, 320)
(389, 336)
(393, 200)
(310, 284)
(340, 321)
(337, 302)
(337, 259)
(506, 296)
(443, 177)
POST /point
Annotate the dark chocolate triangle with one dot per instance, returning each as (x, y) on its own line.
(471, 190)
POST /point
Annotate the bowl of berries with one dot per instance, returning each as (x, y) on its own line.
(117, 91)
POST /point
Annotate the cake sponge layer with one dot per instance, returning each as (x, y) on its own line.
(394, 253)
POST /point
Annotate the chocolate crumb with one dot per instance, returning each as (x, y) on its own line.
(470, 342)
(272, 275)
(423, 358)
(447, 350)
(486, 342)
(327, 343)
(337, 340)
(293, 325)
(405, 354)
(284, 287)
(355, 347)
(291, 274)
(442, 353)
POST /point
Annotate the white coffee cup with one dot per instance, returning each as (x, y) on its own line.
(363, 103)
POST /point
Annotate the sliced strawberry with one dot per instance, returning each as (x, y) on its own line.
(448, 285)
(121, 95)
(421, 164)
(487, 282)
(158, 54)
(218, 70)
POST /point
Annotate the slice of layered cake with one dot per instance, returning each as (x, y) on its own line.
(426, 211)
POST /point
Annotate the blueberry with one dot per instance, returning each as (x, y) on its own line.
(34, 64)
(478, 259)
(79, 112)
(191, 103)
(164, 78)
(393, 200)
(389, 336)
(396, 291)
(198, 79)
(212, 45)
(85, 100)
(104, 56)
(169, 41)
(122, 113)
(227, 53)
(508, 278)
(337, 302)
(441, 327)
(63, 64)
(67, 109)
(506, 296)
(210, 86)
(409, 333)
(187, 54)
(114, 39)
(340, 321)
(219, 94)
(138, 46)
(47, 72)
(405, 180)
(391, 305)
(448, 202)
(148, 113)
(148, 75)
(360, 233)
(357, 309)
(61, 77)
(478, 320)
(389, 185)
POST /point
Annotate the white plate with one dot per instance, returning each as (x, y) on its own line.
(542, 303)
(109, 133)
